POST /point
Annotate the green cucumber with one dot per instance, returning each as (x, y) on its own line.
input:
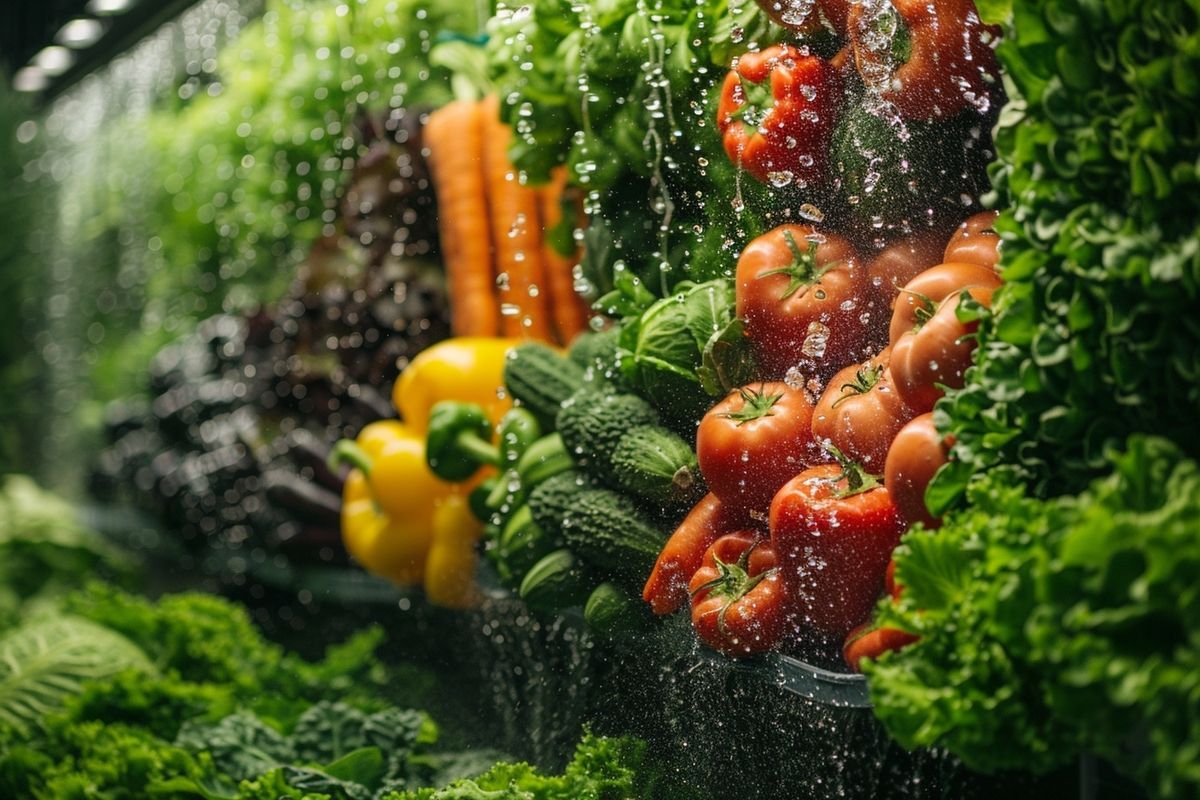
(556, 581)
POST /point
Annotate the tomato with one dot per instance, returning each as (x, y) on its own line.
(808, 17)
(753, 441)
(777, 112)
(802, 299)
(834, 528)
(936, 354)
(890, 585)
(919, 298)
(975, 241)
(739, 600)
(897, 264)
(867, 642)
(666, 588)
(860, 412)
(916, 455)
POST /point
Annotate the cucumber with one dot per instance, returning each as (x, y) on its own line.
(551, 500)
(592, 422)
(609, 531)
(611, 610)
(520, 545)
(555, 582)
(658, 466)
(541, 379)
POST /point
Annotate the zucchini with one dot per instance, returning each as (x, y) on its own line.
(556, 581)
(658, 466)
(541, 379)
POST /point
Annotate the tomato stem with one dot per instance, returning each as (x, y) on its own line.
(756, 404)
(858, 480)
(924, 311)
(865, 379)
(803, 270)
(733, 582)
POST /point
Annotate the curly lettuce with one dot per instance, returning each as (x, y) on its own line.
(1054, 627)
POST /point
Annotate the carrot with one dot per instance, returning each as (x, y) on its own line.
(516, 234)
(567, 308)
(666, 589)
(454, 135)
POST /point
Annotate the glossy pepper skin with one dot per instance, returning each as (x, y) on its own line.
(777, 112)
(468, 369)
(739, 598)
(940, 61)
(834, 528)
(391, 540)
(453, 554)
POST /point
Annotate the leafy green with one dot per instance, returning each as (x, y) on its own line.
(601, 768)
(662, 350)
(203, 639)
(45, 661)
(1051, 627)
(44, 548)
(1094, 334)
(240, 745)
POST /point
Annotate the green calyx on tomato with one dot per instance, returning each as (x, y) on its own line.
(923, 310)
(733, 582)
(803, 271)
(857, 479)
(864, 381)
(756, 404)
(891, 26)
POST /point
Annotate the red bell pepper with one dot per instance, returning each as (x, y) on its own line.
(777, 112)
(739, 600)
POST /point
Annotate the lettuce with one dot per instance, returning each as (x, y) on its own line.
(1054, 627)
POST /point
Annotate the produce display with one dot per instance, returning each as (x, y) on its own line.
(858, 335)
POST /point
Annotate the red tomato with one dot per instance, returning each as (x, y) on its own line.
(936, 354)
(975, 241)
(666, 588)
(753, 441)
(739, 600)
(834, 529)
(867, 642)
(777, 112)
(919, 298)
(918, 452)
(897, 264)
(893, 588)
(860, 412)
(802, 299)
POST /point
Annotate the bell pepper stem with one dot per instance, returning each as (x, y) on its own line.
(486, 452)
(346, 451)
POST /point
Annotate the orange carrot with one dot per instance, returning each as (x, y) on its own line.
(455, 135)
(566, 306)
(516, 234)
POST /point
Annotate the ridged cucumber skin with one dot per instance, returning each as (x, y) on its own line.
(658, 466)
(541, 379)
(609, 532)
(591, 424)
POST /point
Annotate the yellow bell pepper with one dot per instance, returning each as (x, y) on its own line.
(450, 568)
(388, 501)
(469, 369)
(400, 521)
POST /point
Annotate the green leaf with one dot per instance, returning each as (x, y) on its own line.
(45, 662)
